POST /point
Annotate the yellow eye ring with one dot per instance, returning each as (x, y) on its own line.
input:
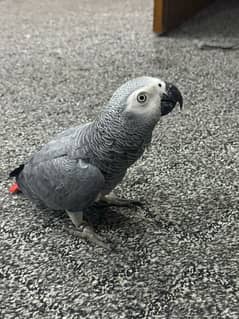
(142, 98)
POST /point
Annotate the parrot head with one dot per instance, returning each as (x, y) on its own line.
(147, 96)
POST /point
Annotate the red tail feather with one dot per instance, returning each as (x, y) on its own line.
(14, 189)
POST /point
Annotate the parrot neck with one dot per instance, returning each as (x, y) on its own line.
(123, 130)
(117, 142)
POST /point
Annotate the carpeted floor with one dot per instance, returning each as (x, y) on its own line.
(178, 256)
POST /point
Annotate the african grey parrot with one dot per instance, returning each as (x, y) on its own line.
(84, 164)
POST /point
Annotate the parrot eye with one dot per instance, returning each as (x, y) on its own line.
(142, 98)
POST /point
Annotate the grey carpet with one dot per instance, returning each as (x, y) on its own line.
(178, 255)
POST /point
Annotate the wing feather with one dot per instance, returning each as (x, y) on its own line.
(56, 180)
(62, 183)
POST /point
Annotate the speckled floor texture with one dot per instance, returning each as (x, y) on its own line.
(178, 255)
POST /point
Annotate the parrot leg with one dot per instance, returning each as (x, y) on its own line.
(112, 200)
(85, 231)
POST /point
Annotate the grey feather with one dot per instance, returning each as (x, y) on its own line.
(62, 183)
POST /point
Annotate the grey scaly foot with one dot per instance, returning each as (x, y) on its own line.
(85, 231)
(112, 200)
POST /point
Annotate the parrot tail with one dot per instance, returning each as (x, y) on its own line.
(14, 189)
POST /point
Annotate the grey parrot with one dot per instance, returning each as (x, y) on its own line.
(83, 164)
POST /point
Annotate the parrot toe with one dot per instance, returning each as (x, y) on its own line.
(112, 200)
(86, 232)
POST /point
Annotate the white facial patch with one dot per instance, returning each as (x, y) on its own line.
(162, 86)
(147, 100)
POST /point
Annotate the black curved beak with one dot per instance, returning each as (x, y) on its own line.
(170, 99)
